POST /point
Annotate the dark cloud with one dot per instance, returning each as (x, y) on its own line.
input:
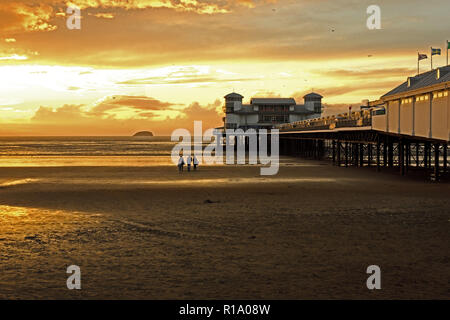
(331, 109)
(369, 74)
(375, 87)
(130, 102)
(181, 80)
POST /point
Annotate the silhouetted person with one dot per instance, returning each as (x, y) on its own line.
(195, 162)
(180, 164)
(189, 161)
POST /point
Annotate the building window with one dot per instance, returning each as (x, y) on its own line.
(405, 101)
(317, 107)
(440, 94)
(422, 97)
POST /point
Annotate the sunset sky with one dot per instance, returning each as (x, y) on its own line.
(161, 64)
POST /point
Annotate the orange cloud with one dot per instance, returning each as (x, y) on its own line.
(25, 16)
(38, 15)
(145, 33)
(210, 116)
(104, 15)
(77, 120)
(65, 113)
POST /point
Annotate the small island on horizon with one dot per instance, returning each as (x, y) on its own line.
(143, 134)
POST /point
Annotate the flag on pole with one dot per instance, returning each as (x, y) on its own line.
(422, 56)
(435, 51)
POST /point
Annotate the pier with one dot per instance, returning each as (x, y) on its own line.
(407, 129)
(364, 147)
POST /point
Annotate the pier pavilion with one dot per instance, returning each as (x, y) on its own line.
(264, 113)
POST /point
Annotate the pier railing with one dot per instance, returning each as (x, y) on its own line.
(361, 118)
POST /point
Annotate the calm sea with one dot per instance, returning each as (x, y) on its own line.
(85, 151)
(89, 151)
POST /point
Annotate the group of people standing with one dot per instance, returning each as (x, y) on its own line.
(189, 160)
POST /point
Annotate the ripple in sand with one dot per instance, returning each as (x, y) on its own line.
(17, 182)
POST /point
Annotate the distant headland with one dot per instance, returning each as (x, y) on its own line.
(143, 134)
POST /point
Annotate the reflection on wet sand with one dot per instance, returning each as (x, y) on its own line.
(219, 233)
(181, 181)
(118, 161)
(9, 183)
(13, 211)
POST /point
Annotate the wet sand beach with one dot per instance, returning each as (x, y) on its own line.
(223, 232)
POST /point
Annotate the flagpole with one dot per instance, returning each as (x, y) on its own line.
(447, 52)
(418, 59)
(431, 53)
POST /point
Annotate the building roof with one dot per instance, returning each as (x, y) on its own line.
(233, 95)
(312, 95)
(285, 101)
(422, 80)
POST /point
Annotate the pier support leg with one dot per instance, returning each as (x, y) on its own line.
(314, 149)
(391, 155)
(444, 165)
(317, 149)
(346, 154)
(378, 155)
(321, 149)
(401, 157)
(417, 154)
(334, 151)
(369, 154)
(339, 153)
(425, 155)
(430, 154)
(385, 153)
(361, 154)
(282, 146)
(300, 149)
(436, 161)
(408, 155)
(286, 146)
